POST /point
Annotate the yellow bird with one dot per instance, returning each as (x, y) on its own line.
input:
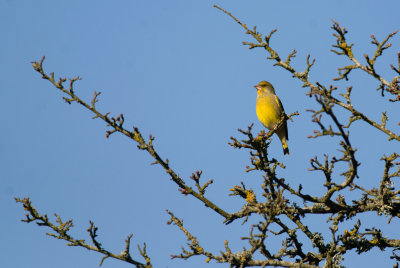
(270, 110)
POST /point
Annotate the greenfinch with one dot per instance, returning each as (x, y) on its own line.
(270, 111)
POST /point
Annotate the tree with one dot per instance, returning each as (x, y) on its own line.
(279, 209)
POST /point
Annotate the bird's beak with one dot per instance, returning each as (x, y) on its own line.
(257, 87)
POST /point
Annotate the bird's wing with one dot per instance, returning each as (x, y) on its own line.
(278, 101)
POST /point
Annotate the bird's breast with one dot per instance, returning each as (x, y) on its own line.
(268, 110)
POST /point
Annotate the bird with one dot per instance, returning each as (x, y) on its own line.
(270, 111)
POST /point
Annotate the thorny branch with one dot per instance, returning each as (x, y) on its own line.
(344, 49)
(62, 228)
(239, 259)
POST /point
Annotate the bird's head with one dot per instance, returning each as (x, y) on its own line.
(265, 87)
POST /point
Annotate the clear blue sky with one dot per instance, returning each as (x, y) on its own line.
(177, 70)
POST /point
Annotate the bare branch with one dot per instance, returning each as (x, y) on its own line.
(61, 232)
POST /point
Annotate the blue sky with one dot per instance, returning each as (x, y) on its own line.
(177, 70)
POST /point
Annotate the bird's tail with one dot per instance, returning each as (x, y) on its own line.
(285, 147)
(282, 137)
